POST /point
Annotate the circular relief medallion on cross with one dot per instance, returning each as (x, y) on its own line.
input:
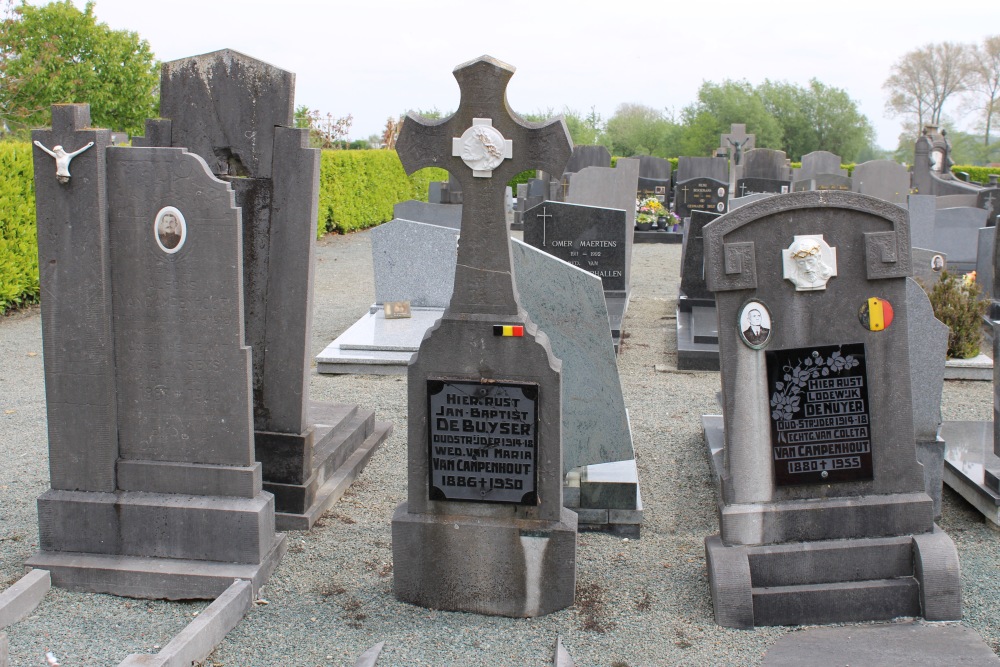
(482, 147)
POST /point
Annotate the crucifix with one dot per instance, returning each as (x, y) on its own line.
(483, 149)
(737, 137)
(544, 216)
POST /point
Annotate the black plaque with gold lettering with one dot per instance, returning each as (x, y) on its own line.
(701, 194)
(483, 441)
(820, 422)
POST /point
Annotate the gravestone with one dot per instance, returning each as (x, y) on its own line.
(654, 178)
(984, 262)
(445, 215)
(590, 237)
(955, 201)
(737, 202)
(823, 182)
(884, 179)
(697, 318)
(236, 113)
(927, 356)
(819, 163)
(922, 215)
(928, 266)
(989, 200)
(736, 143)
(483, 528)
(566, 300)
(587, 156)
(750, 186)
(765, 163)
(434, 194)
(956, 234)
(716, 168)
(700, 194)
(155, 492)
(824, 517)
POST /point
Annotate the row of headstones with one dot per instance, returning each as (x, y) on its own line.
(177, 292)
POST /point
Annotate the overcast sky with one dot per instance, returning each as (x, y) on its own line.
(378, 58)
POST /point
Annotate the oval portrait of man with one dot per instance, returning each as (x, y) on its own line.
(170, 229)
(755, 324)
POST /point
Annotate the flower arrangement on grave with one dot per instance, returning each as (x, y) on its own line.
(648, 210)
(957, 302)
(673, 220)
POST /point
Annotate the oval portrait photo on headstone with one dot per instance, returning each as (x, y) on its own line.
(755, 324)
(169, 229)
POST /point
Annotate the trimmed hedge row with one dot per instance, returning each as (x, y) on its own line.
(18, 238)
(358, 189)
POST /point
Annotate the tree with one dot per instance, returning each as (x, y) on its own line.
(57, 54)
(922, 81)
(324, 131)
(984, 82)
(717, 108)
(816, 118)
(636, 129)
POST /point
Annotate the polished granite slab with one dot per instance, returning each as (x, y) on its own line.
(375, 345)
(968, 460)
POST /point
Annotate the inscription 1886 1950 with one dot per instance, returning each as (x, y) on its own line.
(820, 426)
(483, 441)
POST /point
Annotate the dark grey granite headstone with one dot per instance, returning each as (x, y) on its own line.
(588, 156)
(927, 358)
(884, 179)
(701, 194)
(238, 138)
(716, 168)
(929, 264)
(749, 186)
(589, 237)
(426, 282)
(184, 512)
(693, 258)
(766, 163)
(820, 486)
(989, 199)
(823, 182)
(820, 163)
(654, 178)
(956, 233)
(956, 201)
(500, 394)
(233, 111)
(737, 202)
(984, 261)
(922, 215)
(445, 215)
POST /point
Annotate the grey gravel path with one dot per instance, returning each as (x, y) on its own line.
(643, 602)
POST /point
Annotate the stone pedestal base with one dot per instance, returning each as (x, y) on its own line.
(835, 581)
(308, 472)
(484, 565)
(155, 545)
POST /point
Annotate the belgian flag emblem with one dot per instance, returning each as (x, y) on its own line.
(507, 330)
(876, 314)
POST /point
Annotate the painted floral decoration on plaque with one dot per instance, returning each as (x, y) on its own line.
(482, 147)
(809, 262)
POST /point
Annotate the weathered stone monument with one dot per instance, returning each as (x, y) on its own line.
(155, 489)
(483, 528)
(236, 113)
(823, 512)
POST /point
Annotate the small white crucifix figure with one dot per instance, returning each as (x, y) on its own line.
(63, 159)
(482, 147)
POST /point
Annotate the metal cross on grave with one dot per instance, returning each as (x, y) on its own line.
(484, 145)
(737, 135)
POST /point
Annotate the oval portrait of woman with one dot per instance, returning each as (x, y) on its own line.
(755, 324)
(170, 229)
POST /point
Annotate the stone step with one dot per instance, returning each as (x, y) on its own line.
(335, 485)
(287, 458)
(831, 561)
(881, 599)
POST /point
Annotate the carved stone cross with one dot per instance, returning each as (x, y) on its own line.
(483, 145)
(737, 136)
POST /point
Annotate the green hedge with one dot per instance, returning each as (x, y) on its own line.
(18, 238)
(978, 174)
(359, 188)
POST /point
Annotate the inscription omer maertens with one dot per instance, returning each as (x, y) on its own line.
(589, 252)
(483, 441)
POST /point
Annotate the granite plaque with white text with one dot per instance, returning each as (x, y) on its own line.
(483, 441)
(820, 428)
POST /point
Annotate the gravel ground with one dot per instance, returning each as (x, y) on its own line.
(640, 602)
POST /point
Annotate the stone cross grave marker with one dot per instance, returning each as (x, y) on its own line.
(483, 528)
(236, 113)
(819, 465)
(155, 491)
(737, 142)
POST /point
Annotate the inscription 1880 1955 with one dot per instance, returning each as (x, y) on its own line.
(483, 441)
(820, 426)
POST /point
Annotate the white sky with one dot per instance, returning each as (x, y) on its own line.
(378, 58)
